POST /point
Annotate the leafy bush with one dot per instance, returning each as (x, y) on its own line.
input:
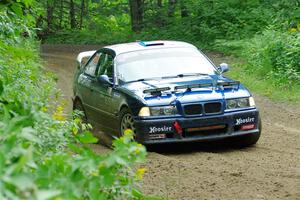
(272, 54)
(43, 155)
(88, 37)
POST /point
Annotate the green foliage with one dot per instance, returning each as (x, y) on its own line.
(12, 26)
(204, 21)
(279, 52)
(43, 153)
(269, 65)
(272, 54)
(16, 6)
(210, 20)
(89, 37)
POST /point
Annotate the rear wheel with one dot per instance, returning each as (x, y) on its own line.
(126, 121)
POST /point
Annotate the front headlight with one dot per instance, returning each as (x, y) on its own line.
(251, 101)
(144, 112)
(240, 103)
(158, 111)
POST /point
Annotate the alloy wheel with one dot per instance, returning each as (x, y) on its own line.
(127, 123)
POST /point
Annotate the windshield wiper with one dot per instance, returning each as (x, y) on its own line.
(184, 75)
(143, 79)
(191, 74)
(167, 77)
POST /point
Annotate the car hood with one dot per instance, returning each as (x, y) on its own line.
(171, 93)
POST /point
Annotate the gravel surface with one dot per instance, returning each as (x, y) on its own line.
(269, 170)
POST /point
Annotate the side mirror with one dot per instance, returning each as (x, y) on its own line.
(224, 67)
(105, 80)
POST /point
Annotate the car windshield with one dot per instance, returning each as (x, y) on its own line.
(160, 63)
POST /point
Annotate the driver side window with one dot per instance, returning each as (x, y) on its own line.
(106, 66)
(91, 67)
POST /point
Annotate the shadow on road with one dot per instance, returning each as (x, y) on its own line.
(187, 148)
(222, 146)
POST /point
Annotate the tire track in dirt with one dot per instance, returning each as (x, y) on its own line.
(270, 170)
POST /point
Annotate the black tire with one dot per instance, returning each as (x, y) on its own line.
(248, 140)
(126, 121)
(77, 105)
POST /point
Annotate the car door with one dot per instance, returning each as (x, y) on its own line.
(106, 103)
(86, 82)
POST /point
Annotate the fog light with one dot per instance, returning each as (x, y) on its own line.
(247, 127)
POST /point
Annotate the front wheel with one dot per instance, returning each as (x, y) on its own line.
(126, 121)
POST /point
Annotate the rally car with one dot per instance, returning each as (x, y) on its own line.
(165, 92)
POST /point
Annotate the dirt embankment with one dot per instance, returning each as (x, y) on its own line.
(270, 170)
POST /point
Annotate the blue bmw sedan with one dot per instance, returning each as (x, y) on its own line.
(165, 92)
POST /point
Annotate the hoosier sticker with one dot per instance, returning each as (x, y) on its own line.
(240, 121)
(155, 129)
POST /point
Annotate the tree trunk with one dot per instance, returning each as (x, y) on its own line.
(81, 13)
(159, 3)
(183, 9)
(72, 15)
(160, 19)
(50, 10)
(87, 8)
(136, 13)
(171, 10)
(61, 13)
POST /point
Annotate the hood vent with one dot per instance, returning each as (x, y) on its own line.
(205, 85)
(156, 91)
(228, 84)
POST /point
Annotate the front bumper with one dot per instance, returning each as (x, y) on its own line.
(217, 127)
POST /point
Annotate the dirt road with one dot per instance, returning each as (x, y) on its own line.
(270, 170)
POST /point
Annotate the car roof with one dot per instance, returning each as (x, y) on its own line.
(145, 45)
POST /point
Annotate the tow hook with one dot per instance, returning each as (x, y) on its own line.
(178, 129)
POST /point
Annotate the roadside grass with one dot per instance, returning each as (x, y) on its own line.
(45, 154)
